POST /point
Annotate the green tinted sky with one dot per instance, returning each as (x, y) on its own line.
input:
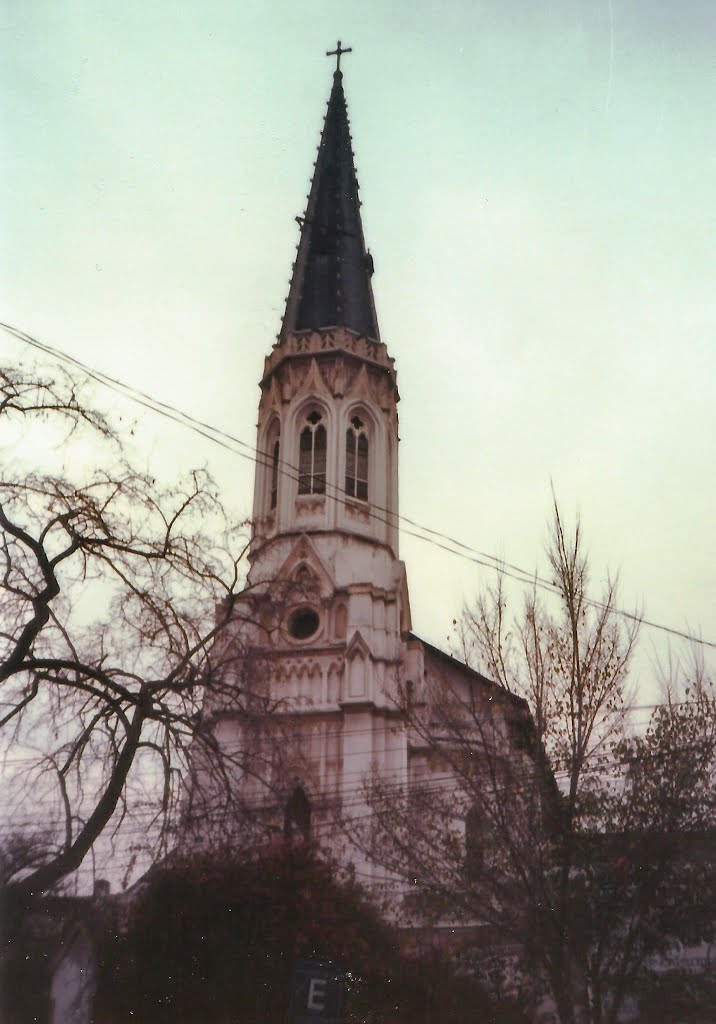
(538, 188)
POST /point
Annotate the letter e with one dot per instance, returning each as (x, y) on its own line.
(317, 994)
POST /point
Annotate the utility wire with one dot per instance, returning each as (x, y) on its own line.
(39, 760)
(428, 535)
(359, 794)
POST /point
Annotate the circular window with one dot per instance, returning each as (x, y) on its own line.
(303, 623)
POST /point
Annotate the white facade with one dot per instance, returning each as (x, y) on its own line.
(326, 593)
(321, 645)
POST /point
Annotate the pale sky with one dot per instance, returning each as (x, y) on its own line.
(538, 189)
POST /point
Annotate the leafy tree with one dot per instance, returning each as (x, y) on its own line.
(538, 815)
(113, 591)
(213, 939)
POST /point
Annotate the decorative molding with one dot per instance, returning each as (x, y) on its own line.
(358, 647)
(340, 377)
(294, 666)
(308, 504)
(271, 398)
(304, 552)
(335, 376)
(357, 510)
(264, 525)
(359, 385)
(336, 340)
(315, 382)
(359, 704)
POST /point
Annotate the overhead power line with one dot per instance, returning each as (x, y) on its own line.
(357, 800)
(334, 734)
(428, 535)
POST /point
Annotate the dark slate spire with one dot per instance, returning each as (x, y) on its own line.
(331, 276)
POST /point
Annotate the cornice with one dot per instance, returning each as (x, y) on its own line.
(331, 341)
(288, 535)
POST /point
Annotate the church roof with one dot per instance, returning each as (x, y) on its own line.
(331, 284)
(470, 673)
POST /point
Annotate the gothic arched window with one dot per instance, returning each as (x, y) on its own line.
(313, 445)
(357, 460)
(274, 472)
(297, 815)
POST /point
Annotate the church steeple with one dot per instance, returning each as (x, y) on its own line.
(324, 622)
(328, 418)
(331, 283)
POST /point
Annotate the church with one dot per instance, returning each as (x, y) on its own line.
(332, 728)
(322, 633)
(325, 701)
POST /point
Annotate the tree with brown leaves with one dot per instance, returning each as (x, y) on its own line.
(544, 825)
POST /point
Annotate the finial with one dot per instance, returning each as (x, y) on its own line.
(337, 54)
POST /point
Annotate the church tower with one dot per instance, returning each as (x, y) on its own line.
(321, 687)
(328, 424)
(326, 599)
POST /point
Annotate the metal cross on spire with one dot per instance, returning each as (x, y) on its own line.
(337, 54)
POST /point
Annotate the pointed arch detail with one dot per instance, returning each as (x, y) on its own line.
(271, 462)
(297, 815)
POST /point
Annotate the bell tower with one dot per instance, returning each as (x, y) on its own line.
(328, 424)
(321, 685)
(327, 467)
(326, 592)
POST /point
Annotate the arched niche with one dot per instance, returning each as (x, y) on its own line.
(271, 462)
(356, 675)
(297, 815)
(340, 626)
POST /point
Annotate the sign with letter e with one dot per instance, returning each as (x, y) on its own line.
(317, 993)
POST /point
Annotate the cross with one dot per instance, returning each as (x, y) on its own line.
(337, 54)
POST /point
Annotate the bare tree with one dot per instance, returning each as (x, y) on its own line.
(113, 591)
(537, 819)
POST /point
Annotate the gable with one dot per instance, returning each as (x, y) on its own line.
(304, 559)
